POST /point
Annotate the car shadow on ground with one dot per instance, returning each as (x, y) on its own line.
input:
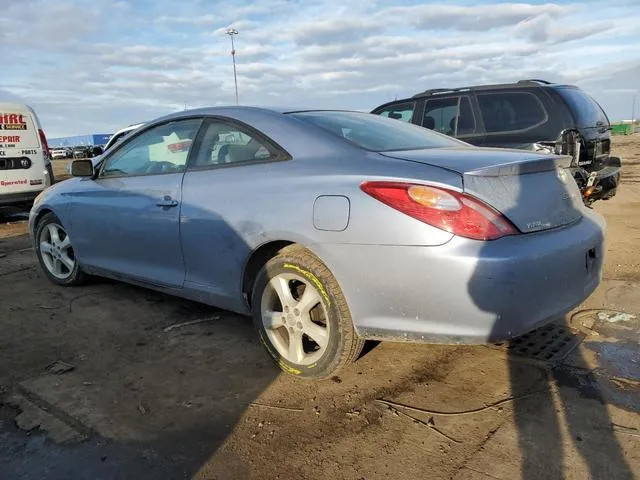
(148, 398)
(542, 408)
(157, 386)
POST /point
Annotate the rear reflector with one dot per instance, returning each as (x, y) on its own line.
(455, 212)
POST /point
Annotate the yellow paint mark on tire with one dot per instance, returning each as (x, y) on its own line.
(313, 278)
(281, 363)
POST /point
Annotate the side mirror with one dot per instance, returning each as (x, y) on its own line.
(82, 168)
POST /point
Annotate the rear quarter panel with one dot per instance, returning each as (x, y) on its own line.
(224, 210)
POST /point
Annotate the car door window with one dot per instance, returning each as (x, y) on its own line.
(452, 116)
(161, 149)
(511, 111)
(399, 111)
(223, 143)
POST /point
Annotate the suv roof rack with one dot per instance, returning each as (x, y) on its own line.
(535, 80)
(438, 91)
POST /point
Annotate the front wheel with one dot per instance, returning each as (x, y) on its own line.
(302, 317)
(55, 252)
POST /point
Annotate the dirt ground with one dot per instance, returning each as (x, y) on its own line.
(102, 382)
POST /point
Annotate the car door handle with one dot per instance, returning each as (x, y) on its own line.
(167, 202)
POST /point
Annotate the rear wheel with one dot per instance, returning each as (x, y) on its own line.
(301, 316)
(55, 252)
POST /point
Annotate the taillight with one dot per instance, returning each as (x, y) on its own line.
(44, 143)
(455, 212)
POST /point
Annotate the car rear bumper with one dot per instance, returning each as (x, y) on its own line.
(608, 179)
(18, 198)
(468, 291)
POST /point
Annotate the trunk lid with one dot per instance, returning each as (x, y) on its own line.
(535, 192)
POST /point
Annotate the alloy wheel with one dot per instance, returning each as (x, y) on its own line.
(56, 251)
(295, 318)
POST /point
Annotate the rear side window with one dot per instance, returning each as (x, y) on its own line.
(585, 109)
(452, 116)
(226, 143)
(399, 111)
(511, 111)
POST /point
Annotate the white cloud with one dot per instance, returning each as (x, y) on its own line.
(101, 65)
(471, 18)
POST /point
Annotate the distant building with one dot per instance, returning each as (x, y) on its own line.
(95, 139)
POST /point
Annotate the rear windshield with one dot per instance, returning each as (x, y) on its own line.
(585, 109)
(376, 133)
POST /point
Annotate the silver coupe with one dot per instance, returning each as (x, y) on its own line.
(329, 228)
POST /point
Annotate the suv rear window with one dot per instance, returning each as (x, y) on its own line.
(585, 109)
(511, 111)
(399, 111)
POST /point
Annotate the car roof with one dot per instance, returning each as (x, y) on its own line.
(498, 86)
(239, 112)
(221, 110)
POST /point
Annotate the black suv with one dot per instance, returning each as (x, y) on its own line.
(530, 114)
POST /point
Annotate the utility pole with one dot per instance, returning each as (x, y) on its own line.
(231, 32)
(633, 113)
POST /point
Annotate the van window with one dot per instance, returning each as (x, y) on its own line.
(452, 116)
(399, 111)
(511, 111)
(585, 109)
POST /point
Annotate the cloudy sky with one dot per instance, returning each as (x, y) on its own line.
(90, 66)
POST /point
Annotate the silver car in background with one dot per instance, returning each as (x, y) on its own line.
(329, 228)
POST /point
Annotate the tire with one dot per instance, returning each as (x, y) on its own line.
(58, 260)
(315, 307)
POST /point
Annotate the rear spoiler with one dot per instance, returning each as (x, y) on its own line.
(542, 164)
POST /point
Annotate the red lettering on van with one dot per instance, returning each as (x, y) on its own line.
(12, 121)
(10, 139)
(8, 183)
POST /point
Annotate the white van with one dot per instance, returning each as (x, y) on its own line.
(25, 161)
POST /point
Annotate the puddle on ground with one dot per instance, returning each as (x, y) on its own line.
(619, 359)
(609, 369)
(615, 379)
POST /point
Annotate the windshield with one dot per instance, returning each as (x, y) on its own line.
(376, 133)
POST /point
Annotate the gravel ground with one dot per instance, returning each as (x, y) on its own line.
(95, 385)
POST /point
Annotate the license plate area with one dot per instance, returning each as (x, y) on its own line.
(590, 259)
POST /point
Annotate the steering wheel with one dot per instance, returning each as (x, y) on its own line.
(161, 167)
